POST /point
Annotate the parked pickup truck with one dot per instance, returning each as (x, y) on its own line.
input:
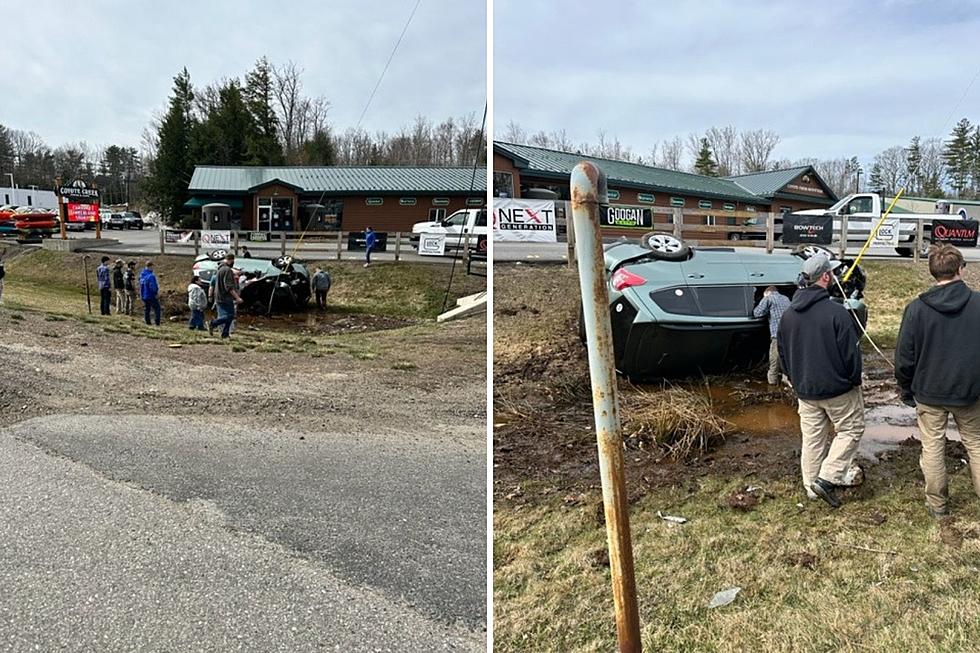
(456, 225)
(863, 210)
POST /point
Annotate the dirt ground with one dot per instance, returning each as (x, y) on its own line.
(339, 368)
(543, 440)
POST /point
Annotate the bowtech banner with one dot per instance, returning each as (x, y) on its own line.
(961, 233)
(626, 216)
(808, 229)
(524, 221)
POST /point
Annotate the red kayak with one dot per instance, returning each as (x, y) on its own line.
(35, 224)
(34, 217)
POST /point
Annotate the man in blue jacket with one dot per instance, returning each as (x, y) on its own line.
(149, 293)
(369, 240)
(819, 349)
(937, 366)
(102, 274)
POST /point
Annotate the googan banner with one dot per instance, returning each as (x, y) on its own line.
(524, 221)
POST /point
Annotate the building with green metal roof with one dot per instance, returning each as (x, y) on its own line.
(296, 198)
(519, 168)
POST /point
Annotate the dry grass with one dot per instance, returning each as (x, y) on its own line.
(680, 421)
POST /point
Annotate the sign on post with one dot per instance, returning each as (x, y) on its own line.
(888, 234)
(78, 203)
(216, 238)
(524, 221)
(432, 244)
(961, 233)
(626, 216)
(808, 229)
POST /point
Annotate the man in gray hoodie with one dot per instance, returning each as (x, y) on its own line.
(937, 366)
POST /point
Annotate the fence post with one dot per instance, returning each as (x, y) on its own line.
(340, 244)
(235, 236)
(770, 232)
(197, 242)
(282, 242)
(588, 187)
(843, 236)
(398, 244)
(466, 249)
(678, 223)
(920, 234)
(569, 232)
(163, 239)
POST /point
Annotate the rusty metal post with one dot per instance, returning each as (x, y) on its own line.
(588, 186)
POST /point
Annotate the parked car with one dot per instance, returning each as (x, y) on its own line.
(455, 226)
(285, 281)
(116, 221)
(678, 311)
(132, 220)
(758, 223)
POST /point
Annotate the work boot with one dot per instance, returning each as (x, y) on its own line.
(826, 491)
(938, 514)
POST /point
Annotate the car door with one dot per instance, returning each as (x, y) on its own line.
(860, 218)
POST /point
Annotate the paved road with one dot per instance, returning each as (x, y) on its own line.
(147, 241)
(173, 534)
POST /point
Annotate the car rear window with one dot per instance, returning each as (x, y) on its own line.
(707, 301)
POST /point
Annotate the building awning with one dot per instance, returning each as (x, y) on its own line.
(198, 202)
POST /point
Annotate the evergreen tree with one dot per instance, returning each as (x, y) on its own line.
(320, 150)
(913, 161)
(958, 156)
(263, 144)
(705, 164)
(975, 160)
(7, 153)
(173, 167)
(875, 181)
(231, 127)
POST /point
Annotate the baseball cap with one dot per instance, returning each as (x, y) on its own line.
(814, 266)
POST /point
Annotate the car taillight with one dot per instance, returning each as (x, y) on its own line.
(625, 279)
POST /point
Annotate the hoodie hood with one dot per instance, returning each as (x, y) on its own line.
(807, 297)
(145, 272)
(947, 298)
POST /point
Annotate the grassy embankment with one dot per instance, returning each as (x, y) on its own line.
(54, 283)
(878, 574)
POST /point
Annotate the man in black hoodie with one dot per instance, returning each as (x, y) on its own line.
(819, 349)
(937, 366)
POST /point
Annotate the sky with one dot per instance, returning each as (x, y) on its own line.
(99, 71)
(833, 79)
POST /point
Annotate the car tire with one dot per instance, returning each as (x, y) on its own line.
(664, 246)
(904, 252)
(734, 236)
(808, 251)
(217, 254)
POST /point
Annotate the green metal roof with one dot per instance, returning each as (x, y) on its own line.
(198, 202)
(338, 180)
(619, 173)
(769, 183)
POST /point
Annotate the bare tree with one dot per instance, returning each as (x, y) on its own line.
(724, 144)
(672, 154)
(892, 166)
(287, 87)
(514, 133)
(756, 148)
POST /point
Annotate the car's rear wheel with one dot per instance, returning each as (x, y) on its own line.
(809, 251)
(665, 246)
(734, 236)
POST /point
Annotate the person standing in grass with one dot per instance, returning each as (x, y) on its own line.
(129, 285)
(226, 296)
(119, 286)
(3, 273)
(321, 286)
(772, 305)
(819, 349)
(150, 293)
(197, 301)
(369, 240)
(102, 274)
(937, 367)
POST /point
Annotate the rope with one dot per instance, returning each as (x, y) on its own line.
(858, 321)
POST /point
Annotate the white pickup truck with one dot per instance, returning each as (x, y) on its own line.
(456, 226)
(863, 210)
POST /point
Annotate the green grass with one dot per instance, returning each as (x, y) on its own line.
(921, 595)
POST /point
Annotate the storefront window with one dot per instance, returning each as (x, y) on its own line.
(503, 184)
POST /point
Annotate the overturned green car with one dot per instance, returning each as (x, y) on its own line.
(679, 311)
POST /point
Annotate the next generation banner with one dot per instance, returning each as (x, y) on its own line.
(524, 221)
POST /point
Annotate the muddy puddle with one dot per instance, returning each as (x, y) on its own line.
(319, 323)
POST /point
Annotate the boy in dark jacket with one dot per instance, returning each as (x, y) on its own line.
(937, 366)
(819, 349)
(119, 286)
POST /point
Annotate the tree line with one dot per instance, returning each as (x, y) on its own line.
(264, 118)
(931, 167)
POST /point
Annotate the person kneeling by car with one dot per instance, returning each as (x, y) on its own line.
(772, 305)
(819, 348)
(937, 366)
(197, 301)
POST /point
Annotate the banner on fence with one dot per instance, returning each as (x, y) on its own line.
(432, 244)
(626, 216)
(171, 236)
(524, 221)
(212, 238)
(888, 234)
(258, 236)
(808, 229)
(962, 233)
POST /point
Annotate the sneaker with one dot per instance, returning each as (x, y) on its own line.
(826, 491)
(938, 514)
(366, 264)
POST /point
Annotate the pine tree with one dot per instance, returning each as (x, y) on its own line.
(705, 164)
(173, 167)
(7, 153)
(263, 145)
(875, 181)
(320, 150)
(958, 156)
(975, 160)
(913, 161)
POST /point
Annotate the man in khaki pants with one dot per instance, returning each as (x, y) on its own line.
(819, 349)
(937, 366)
